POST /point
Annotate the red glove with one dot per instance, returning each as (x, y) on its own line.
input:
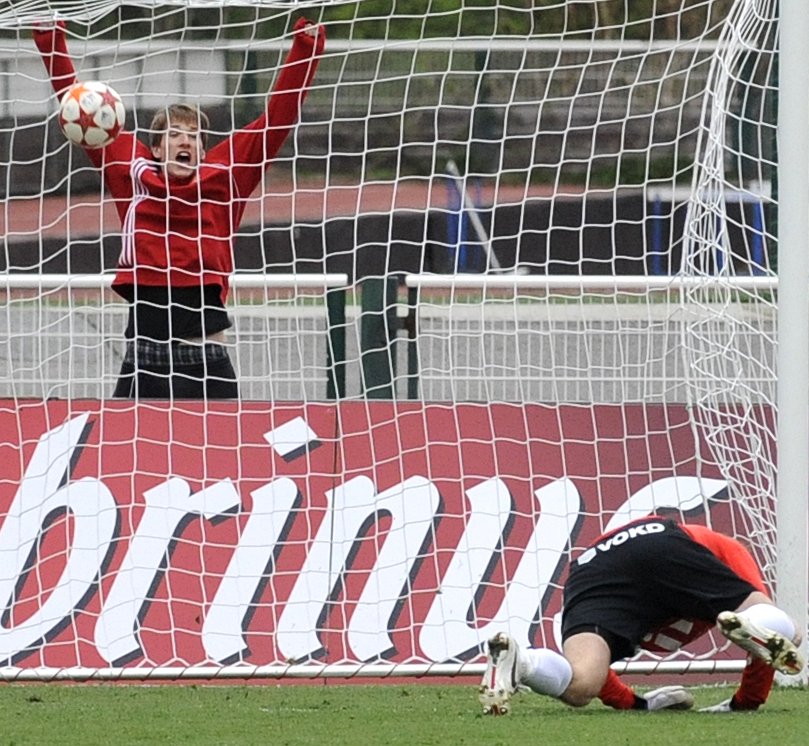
(45, 34)
(313, 34)
(51, 42)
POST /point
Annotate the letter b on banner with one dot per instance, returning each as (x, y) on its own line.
(39, 498)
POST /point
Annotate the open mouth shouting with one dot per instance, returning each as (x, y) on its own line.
(180, 150)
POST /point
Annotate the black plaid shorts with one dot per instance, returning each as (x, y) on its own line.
(178, 370)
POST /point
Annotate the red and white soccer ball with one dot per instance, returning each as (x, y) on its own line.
(91, 114)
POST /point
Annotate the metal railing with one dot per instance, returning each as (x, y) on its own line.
(62, 335)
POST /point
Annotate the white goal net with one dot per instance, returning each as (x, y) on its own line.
(504, 278)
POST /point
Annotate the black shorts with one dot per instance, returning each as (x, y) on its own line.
(641, 577)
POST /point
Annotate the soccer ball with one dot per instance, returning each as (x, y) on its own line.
(91, 114)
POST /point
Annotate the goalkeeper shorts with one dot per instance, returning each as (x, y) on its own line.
(178, 370)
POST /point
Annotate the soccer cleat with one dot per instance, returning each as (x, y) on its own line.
(669, 698)
(500, 680)
(763, 643)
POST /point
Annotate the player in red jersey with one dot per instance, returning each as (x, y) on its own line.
(179, 206)
(658, 585)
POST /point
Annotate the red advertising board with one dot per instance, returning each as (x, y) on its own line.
(153, 534)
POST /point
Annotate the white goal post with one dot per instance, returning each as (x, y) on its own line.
(793, 330)
(519, 272)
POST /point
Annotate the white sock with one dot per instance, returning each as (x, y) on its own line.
(545, 671)
(771, 617)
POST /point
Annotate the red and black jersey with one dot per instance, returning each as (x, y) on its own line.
(674, 633)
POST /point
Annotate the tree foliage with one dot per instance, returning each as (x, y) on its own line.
(605, 19)
(425, 19)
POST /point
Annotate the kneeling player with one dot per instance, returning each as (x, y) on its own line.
(662, 586)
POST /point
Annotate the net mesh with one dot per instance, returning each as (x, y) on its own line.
(507, 283)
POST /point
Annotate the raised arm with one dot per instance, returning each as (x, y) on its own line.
(250, 149)
(52, 45)
(285, 102)
(51, 41)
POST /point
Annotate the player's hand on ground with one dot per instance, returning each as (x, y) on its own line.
(727, 706)
(721, 707)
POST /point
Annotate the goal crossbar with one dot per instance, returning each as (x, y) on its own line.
(588, 282)
(332, 671)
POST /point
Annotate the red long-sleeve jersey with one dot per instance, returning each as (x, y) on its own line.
(757, 678)
(180, 233)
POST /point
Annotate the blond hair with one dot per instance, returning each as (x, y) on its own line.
(178, 114)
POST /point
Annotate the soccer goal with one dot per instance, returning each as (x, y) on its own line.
(520, 272)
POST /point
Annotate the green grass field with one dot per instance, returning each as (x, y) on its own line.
(412, 714)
